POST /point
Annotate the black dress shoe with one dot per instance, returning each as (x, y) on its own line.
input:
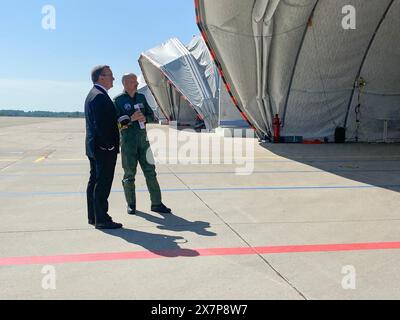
(131, 209)
(92, 222)
(161, 208)
(108, 225)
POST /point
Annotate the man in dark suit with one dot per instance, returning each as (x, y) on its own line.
(102, 147)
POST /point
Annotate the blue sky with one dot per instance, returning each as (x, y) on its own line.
(50, 69)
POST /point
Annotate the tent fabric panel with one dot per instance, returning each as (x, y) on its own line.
(315, 72)
(186, 115)
(194, 87)
(209, 77)
(380, 99)
(198, 48)
(295, 58)
(158, 86)
(278, 30)
(227, 24)
(180, 67)
(316, 115)
(173, 105)
(380, 68)
(372, 129)
(143, 88)
(152, 102)
(229, 115)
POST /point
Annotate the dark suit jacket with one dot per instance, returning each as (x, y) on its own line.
(101, 122)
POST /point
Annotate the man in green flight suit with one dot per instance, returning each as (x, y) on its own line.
(133, 112)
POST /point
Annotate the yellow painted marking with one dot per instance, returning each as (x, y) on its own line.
(40, 159)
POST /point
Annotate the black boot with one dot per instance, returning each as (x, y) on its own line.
(131, 209)
(161, 208)
(108, 225)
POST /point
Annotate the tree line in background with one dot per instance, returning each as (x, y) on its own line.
(41, 114)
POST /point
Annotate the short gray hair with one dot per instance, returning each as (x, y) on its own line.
(97, 71)
(127, 75)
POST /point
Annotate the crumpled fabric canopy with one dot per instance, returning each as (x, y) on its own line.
(175, 78)
(170, 101)
(198, 49)
(294, 58)
(228, 113)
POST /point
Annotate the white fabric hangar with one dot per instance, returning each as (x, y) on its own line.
(170, 101)
(228, 114)
(177, 83)
(318, 64)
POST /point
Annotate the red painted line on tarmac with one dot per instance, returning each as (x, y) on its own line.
(140, 255)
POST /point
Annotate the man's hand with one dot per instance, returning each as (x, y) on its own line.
(138, 116)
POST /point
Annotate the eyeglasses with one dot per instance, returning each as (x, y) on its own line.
(108, 75)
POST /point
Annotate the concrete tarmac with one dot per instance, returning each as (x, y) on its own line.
(308, 222)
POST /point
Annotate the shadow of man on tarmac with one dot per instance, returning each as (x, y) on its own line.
(160, 244)
(175, 223)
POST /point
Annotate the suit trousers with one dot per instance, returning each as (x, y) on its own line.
(102, 169)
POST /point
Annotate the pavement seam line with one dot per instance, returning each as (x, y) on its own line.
(240, 237)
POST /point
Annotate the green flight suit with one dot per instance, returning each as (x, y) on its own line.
(134, 148)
